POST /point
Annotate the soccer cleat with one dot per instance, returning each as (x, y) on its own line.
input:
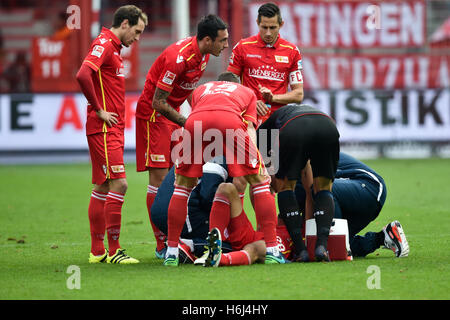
(275, 259)
(98, 259)
(214, 241)
(321, 254)
(120, 257)
(303, 256)
(161, 254)
(171, 261)
(395, 239)
(202, 259)
(185, 255)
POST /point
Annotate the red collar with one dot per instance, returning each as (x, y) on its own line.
(108, 33)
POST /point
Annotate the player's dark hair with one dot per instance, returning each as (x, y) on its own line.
(269, 10)
(210, 26)
(228, 76)
(130, 12)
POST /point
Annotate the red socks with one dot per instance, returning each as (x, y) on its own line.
(220, 214)
(235, 258)
(96, 215)
(265, 211)
(159, 235)
(113, 215)
(176, 214)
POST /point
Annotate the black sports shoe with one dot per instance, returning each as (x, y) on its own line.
(321, 254)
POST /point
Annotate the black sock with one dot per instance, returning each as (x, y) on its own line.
(323, 214)
(292, 218)
(379, 238)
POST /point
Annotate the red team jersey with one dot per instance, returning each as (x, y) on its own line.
(221, 106)
(225, 96)
(273, 67)
(109, 81)
(177, 70)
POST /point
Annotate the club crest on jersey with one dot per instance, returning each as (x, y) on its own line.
(282, 59)
(97, 51)
(180, 59)
(118, 169)
(169, 77)
(158, 157)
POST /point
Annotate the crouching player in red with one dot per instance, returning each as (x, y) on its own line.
(103, 84)
(221, 109)
(229, 219)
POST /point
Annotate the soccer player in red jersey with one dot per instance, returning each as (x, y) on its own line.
(224, 110)
(170, 81)
(102, 82)
(268, 64)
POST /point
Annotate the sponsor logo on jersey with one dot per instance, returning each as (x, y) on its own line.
(267, 72)
(282, 59)
(102, 40)
(169, 77)
(157, 157)
(254, 56)
(118, 168)
(97, 51)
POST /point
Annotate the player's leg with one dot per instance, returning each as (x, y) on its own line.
(323, 214)
(226, 204)
(292, 217)
(266, 215)
(116, 176)
(96, 214)
(113, 216)
(156, 176)
(324, 157)
(153, 155)
(96, 211)
(176, 216)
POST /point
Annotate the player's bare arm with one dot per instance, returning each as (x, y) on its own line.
(293, 96)
(261, 108)
(160, 105)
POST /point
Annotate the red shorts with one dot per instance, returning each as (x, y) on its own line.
(241, 232)
(213, 133)
(153, 143)
(106, 151)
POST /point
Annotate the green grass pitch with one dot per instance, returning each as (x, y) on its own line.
(44, 229)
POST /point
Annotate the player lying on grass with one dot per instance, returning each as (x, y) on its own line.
(355, 193)
(359, 194)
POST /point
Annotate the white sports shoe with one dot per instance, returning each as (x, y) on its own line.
(201, 261)
(395, 239)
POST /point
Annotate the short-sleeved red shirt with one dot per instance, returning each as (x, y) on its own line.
(225, 96)
(109, 81)
(270, 66)
(177, 70)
